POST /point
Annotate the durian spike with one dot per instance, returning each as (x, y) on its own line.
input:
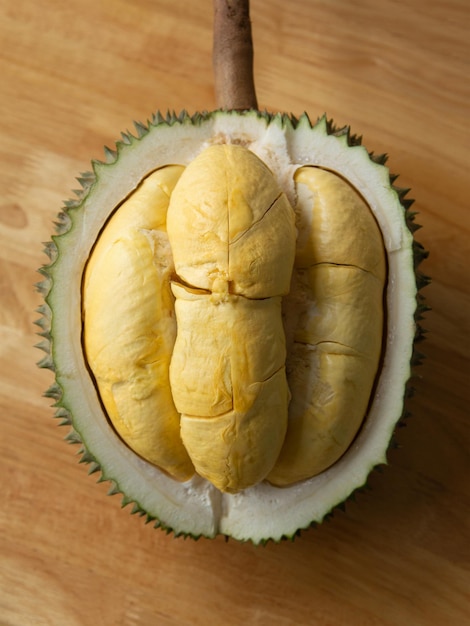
(232, 56)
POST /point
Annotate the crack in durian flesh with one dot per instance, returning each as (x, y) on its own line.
(220, 341)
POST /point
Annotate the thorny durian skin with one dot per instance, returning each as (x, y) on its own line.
(185, 330)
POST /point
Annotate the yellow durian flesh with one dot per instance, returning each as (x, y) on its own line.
(232, 233)
(228, 380)
(129, 325)
(337, 315)
(231, 227)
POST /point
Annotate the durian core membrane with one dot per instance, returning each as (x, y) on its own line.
(235, 329)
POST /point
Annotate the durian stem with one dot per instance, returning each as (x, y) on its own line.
(232, 56)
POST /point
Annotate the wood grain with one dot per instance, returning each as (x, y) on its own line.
(73, 75)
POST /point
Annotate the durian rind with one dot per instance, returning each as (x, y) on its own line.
(195, 508)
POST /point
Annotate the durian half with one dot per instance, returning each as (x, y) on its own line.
(194, 506)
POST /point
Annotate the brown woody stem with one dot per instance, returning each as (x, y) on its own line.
(232, 55)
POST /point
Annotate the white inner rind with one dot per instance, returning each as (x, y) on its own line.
(196, 507)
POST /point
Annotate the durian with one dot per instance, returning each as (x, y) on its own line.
(230, 312)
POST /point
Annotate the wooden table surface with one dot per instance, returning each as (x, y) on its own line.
(73, 75)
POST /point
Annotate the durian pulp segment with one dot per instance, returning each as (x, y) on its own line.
(232, 234)
(230, 385)
(129, 324)
(231, 227)
(195, 507)
(335, 311)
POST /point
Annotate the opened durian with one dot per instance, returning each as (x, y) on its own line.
(230, 312)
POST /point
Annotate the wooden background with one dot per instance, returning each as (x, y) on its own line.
(72, 76)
